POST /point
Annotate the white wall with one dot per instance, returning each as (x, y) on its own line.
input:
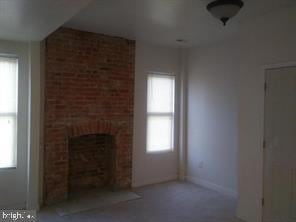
(212, 116)
(266, 40)
(36, 94)
(263, 41)
(151, 168)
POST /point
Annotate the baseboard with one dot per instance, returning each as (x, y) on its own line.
(212, 186)
(18, 206)
(35, 207)
(154, 181)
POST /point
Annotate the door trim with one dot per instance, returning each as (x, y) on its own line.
(265, 68)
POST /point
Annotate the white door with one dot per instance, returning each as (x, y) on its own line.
(13, 128)
(280, 151)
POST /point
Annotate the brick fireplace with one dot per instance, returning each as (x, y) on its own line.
(97, 154)
(88, 112)
(94, 146)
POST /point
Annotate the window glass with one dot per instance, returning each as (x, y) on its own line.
(8, 111)
(160, 112)
(161, 94)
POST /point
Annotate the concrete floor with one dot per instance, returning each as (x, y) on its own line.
(167, 202)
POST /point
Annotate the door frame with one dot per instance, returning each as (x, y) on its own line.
(265, 68)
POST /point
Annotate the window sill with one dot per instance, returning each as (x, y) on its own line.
(7, 168)
(160, 151)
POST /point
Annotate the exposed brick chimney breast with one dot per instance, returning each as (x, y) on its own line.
(89, 91)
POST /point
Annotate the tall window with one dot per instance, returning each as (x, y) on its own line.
(160, 112)
(8, 111)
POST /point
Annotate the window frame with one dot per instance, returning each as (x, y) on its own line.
(172, 114)
(13, 115)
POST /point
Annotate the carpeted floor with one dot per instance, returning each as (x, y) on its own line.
(167, 202)
(93, 199)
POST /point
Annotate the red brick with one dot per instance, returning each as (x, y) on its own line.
(89, 90)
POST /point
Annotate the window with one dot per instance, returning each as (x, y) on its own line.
(8, 111)
(160, 112)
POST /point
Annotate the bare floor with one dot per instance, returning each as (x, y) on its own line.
(167, 202)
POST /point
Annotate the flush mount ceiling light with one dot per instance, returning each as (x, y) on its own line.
(225, 9)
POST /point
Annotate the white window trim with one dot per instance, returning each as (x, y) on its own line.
(171, 114)
(20, 51)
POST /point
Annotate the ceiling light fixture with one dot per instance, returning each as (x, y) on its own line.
(180, 40)
(225, 9)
